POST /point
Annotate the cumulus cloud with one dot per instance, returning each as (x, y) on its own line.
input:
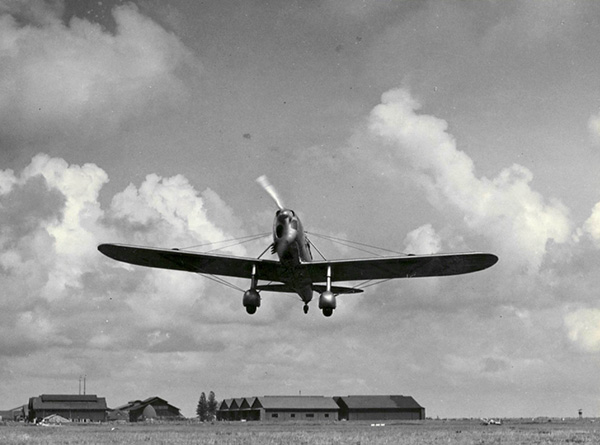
(592, 224)
(594, 128)
(170, 206)
(75, 79)
(583, 328)
(423, 240)
(506, 209)
(55, 281)
(37, 12)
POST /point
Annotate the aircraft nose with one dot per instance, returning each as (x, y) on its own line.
(279, 230)
(282, 227)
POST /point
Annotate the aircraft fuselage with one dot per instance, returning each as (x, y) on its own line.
(292, 248)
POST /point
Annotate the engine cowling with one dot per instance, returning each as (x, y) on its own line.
(251, 300)
(327, 303)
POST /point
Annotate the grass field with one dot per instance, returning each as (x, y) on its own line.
(518, 431)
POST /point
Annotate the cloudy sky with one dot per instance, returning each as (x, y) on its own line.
(418, 126)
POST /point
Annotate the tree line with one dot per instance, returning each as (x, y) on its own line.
(207, 407)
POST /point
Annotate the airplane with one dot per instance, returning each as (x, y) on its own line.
(296, 271)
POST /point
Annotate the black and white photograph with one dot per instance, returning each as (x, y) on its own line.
(299, 221)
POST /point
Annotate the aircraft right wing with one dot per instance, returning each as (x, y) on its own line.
(400, 266)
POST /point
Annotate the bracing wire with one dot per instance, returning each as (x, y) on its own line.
(316, 248)
(221, 281)
(374, 283)
(236, 244)
(353, 244)
(238, 241)
(248, 238)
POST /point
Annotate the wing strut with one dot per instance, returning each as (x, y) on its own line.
(251, 299)
(327, 301)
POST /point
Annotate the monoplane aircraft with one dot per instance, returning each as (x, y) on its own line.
(296, 271)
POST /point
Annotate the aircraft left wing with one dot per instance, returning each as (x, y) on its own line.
(207, 263)
(400, 266)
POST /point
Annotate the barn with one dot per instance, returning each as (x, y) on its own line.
(78, 408)
(379, 408)
(150, 408)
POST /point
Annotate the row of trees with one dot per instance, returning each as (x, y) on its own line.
(207, 407)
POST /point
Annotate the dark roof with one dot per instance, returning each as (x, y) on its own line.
(135, 405)
(296, 402)
(225, 404)
(379, 402)
(68, 401)
(405, 402)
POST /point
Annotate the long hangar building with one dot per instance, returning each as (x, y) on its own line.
(279, 408)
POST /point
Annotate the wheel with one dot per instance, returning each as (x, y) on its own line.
(327, 311)
(251, 309)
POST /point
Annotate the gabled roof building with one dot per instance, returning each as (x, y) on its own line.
(151, 408)
(78, 408)
(379, 408)
(18, 413)
(279, 408)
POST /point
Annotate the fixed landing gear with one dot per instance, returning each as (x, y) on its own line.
(251, 309)
(327, 311)
(306, 308)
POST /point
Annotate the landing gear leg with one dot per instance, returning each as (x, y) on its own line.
(306, 308)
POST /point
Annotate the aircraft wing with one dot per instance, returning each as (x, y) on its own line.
(400, 266)
(207, 263)
(268, 270)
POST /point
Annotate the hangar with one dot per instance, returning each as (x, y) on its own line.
(78, 408)
(379, 408)
(294, 408)
(151, 408)
(278, 408)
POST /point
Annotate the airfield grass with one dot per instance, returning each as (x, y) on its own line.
(517, 431)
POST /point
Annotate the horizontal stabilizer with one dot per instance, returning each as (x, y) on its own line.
(338, 290)
(320, 288)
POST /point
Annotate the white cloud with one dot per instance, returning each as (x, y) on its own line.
(79, 79)
(594, 128)
(53, 277)
(516, 218)
(38, 12)
(423, 240)
(170, 212)
(583, 328)
(7, 180)
(592, 224)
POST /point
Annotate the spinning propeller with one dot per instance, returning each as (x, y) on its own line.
(263, 181)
